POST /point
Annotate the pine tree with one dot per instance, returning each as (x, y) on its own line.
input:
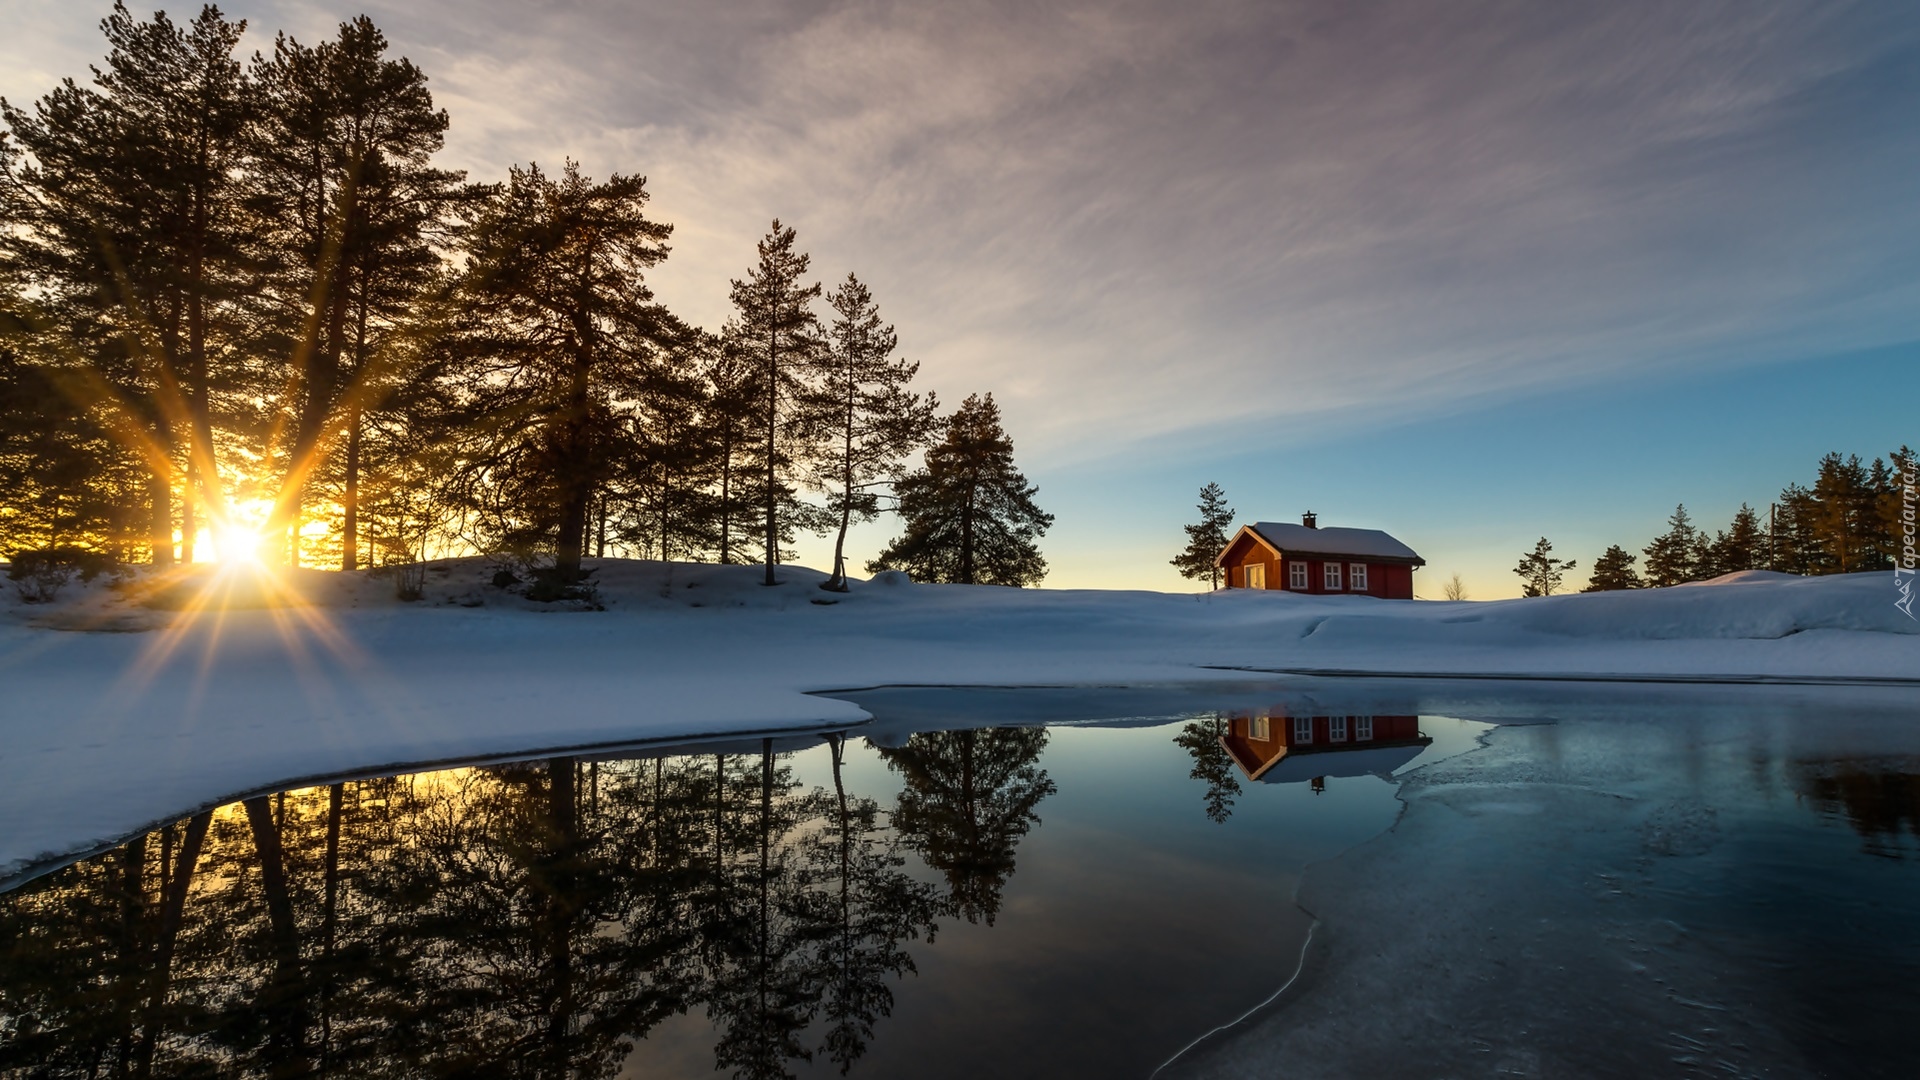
(1844, 511)
(126, 220)
(780, 337)
(868, 420)
(1613, 570)
(970, 516)
(1742, 546)
(1541, 572)
(1207, 538)
(561, 330)
(349, 204)
(1795, 539)
(1673, 558)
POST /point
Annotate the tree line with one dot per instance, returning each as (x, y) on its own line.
(245, 280)
(529, 920)
(1852, 518)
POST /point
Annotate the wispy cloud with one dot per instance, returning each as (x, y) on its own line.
(1131, 219)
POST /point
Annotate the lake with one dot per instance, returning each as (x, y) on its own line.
(1310, 877)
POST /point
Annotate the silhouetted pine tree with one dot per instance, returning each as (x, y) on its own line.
(1674, 557)
(866, 417)
(126, 222)
(1541, 572)
(779, 338)
(1613, 570)
(561, 329)
(348, 206)
(1206, 538)
(970, 515)
(1742, 546)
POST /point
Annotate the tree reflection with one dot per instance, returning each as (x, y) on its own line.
(1212, 765)
(969, 798)
(534, 920)
(1881, 800)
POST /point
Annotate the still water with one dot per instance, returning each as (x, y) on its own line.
(1009, 892)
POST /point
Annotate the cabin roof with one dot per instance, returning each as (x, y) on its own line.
(1292, 539)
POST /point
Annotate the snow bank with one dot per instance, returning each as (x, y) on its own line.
(130, 703)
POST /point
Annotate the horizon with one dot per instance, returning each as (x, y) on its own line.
(1536, 275)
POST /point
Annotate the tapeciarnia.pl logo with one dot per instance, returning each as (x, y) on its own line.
(1904, 566)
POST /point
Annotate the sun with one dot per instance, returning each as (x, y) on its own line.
(238, 542)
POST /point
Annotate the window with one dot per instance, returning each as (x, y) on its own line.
(1357, 576)
(1337, 729)
(1256, 575)
(1297, 575)
(1332, 575)
(1302, 730)
(1257, 729)
(1363, 729)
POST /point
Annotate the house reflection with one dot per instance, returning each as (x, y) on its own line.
(1275, 748)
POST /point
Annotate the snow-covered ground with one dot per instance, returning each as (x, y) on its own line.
(125, 705)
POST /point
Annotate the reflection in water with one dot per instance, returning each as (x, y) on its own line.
(970, 797)
(522, 920)
(1881, 799)
(1273, 747)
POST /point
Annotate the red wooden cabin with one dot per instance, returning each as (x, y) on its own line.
(1306, 558)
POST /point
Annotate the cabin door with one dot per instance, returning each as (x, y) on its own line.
(1256, 575)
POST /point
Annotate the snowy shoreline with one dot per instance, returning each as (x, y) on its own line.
(107, 732)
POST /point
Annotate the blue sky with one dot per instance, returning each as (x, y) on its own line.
(1474, 271)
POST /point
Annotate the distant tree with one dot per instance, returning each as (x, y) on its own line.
(779, 337)
(1541, 572)
(1794, 537)
(868, 419)
(1613, 570)
(1741, 546)
(1206, 538)
(970, 515)
(1455, 589)
(1845, 512)
(1674, 557)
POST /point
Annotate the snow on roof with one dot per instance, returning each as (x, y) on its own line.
(1333, 540)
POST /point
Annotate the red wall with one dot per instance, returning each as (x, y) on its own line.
(1385, 581)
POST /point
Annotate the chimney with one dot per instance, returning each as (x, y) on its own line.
(1309, 520)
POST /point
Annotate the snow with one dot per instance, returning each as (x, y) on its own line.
(124, 705)
(1333, 540)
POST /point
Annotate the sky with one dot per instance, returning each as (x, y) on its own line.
(1473, 273)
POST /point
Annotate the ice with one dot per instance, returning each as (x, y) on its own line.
(124, 707)
(1640, 888)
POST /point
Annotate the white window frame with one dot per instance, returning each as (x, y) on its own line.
(1336, 729)
(1303, 731)
(1297, 575)
(1357, 576)
(1330, 576)
(1257, 729)
(1363, 729)
(1255, 575)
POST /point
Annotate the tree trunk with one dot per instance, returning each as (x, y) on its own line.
(350, 494)
(172, 914)
(773, 407)
(286, 1023)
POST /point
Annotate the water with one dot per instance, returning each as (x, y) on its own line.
(986, 884)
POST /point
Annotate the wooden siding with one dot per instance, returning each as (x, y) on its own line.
(1384, 580)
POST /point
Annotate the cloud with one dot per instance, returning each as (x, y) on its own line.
(1133, 220)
